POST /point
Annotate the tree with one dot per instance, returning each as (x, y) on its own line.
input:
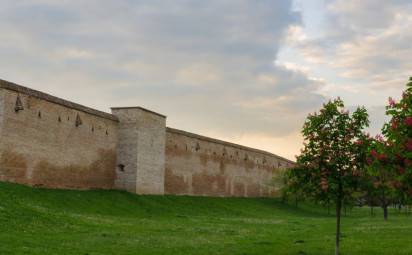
(330, 164)
(294, 184)
(380, 173)
(398, 132)
(298, 184)
(368, 189)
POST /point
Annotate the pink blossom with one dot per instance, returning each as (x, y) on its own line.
(408, 121)
(409, 145)
(379, 138)
(374, 153)
(392, 102)
(369, 161)
(381, 156)
(359, 142)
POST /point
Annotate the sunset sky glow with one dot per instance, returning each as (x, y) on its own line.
(244, 71)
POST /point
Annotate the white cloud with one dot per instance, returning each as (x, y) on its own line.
(208, 65)
(212, 66)
(295, 67)
(366, 42)
(198, 75)
(361, 50)
(69, 53)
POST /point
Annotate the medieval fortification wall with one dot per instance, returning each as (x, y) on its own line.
(199, 165)
(51, 142)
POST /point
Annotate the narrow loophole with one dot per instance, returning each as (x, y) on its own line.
(121, 167)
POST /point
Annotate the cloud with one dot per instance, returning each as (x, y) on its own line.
(359, 49)
(209, 65)
(214, 67)
(366, 16)
(364, 42)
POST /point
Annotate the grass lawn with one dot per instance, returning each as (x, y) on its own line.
(42, 221)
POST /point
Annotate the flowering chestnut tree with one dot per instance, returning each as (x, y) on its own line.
(330, 164)
(380, 172)
(398, 132)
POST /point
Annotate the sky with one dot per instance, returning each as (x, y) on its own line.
(244, 71)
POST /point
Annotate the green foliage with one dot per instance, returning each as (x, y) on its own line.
(379, 179)
(329, 166)
(398, 133)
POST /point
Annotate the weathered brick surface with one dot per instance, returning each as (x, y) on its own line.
(41, 144)
(48, 141)
(1, 111)
(52, 99)
(198, 165)
(141, 150)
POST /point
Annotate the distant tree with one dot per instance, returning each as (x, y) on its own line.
(398, 133)
(330, 165)
(299, 186)
(380, 173)
(368, 191)
(294, 184)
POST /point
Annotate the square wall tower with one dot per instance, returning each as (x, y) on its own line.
(141, 150)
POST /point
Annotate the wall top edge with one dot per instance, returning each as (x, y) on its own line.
(140, 108)
(213, 140)
(56, 100)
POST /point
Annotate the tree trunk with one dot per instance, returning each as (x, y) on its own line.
(328, 208)
(385, 212)
(384, 206)
(371, 205)
(338, 212)
(284, 198)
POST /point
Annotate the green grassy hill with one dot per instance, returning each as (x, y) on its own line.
(43, 221)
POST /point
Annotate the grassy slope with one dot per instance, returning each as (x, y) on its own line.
(41, 221)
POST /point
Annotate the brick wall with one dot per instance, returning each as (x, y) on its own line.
(198, 165)
(141, 150)
(51, 142)
(46, 141)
